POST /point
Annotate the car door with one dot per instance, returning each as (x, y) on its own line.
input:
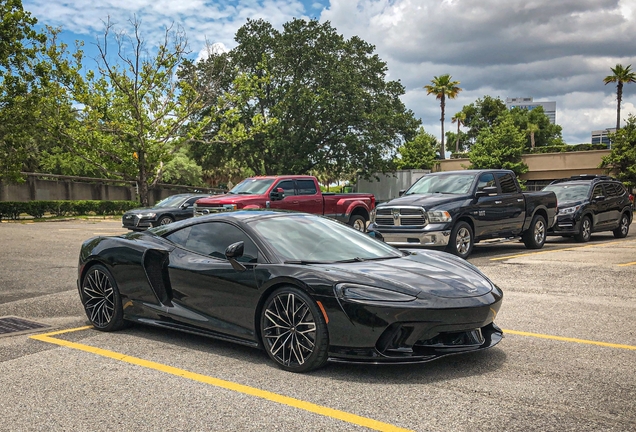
(289, 200)
(186, 209)
(512, 204)
(485, 212)
(211, 293)
(613, 202)
(309, 197)
(599, 207)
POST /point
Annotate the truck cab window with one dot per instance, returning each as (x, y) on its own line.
(485, 180)
(507, 183)
(287, 186)
(306, 187)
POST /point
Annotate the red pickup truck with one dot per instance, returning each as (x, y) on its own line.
(299, 193)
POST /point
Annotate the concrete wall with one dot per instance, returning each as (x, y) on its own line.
(389, 185)
(546, 166)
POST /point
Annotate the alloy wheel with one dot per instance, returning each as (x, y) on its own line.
(586, 229)
(624, 225)
(289, 330)
(462, 240)
(539, 232)
(99, 298)
(359, 225)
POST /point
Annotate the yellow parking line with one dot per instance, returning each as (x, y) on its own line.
(566, 339)
(228, 385)
(627, 264)
(555, 250)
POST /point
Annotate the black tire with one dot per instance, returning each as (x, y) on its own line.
(101, 299)
(461, 240)
(358, 223)
(165, 220)
(298, 342)
(534, 237)
(623, 227)
(585, 230)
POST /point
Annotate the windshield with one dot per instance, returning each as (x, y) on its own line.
(310, 238)
(171, 201)
(457, 184)
(252, 186)
(566, 193)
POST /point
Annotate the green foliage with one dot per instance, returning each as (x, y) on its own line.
(419, 153)
(183, 170)
(545, 133)
(443, 87)
(620, 75)
(622, 158)
(567, 148)
(298, 100)
(37, 209)
(500, 147)
(482, 114)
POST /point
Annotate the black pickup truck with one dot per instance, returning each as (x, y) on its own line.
(456, 209)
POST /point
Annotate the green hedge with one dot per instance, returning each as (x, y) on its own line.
(567, 148)
(37, 209)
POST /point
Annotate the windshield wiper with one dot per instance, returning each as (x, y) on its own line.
(303, 262)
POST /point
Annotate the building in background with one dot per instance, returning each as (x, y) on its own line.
(602, 136)
(527, 103)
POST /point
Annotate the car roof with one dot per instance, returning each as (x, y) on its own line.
(470, 171)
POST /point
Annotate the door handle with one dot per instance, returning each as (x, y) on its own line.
(497, 202)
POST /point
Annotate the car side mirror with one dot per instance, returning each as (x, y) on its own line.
(599, 198)
(402, 192)
(234, 251)
(185, 205)
(376, 235)
(487, 191)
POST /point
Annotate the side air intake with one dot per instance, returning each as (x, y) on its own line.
(156, 267)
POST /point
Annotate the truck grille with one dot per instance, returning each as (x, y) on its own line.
(401, 216)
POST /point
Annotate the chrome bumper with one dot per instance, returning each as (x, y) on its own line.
(434, 238)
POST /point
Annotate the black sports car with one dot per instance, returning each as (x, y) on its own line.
(174, 208)
(305, 288)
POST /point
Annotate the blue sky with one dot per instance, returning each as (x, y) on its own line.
(550, 50)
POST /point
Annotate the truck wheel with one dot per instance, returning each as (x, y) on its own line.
(585, 230)
(461, 240)
(358, 222)
(534, 237)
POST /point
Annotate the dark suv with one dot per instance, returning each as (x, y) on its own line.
(590, 203)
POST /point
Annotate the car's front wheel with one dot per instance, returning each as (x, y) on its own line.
(294, 330)
(623, 227)
(101, 299)
(165, 220)
(461, 240)
(585, 230)
(534, 237)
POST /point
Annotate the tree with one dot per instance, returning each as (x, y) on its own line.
(531, 129)
(419, 153)
(622, 158)
(482, 114)
(131, 116)
(459, 119)
(300, 100)
(545, 133)
(500, 147)
(443, 87)
(620, 75)
(19, 95)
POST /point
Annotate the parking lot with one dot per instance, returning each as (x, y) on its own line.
(568, 361)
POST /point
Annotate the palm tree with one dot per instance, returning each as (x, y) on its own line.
(621, 75)
(532, 128)
(458, 118)
(443, 87)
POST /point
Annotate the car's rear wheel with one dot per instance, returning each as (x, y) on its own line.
(294, 330)
(623, 227)
(534, 237)
(585, 230)
(461, 240)
(165, 220)
(101, 299)
(358, 222)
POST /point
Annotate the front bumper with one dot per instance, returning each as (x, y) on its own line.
(414, 238)
(136, 224)
(412, 332)
(565, 225)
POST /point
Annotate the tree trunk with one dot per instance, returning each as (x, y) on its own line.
(442, 153)
(142, 182)
(619, 97)
(457, 141)
(531, 139)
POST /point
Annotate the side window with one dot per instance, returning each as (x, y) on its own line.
(598, 191)
(507, 183)
(287, 186)
(306, 187)
(485, 180)
(213, 238)
(191, 201)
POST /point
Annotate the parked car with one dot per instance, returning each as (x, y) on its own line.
(298, 193)
(168, 210)
(304, 288)
(456, 209)
(591, 203)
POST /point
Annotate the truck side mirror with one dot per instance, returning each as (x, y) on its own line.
(487, 191)
(402, 192)
(376, 234)
(277, 194)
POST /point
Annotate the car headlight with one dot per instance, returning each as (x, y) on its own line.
(569, 210)
(147, 215)
(229, 206)
(439, 216)
(355, 292)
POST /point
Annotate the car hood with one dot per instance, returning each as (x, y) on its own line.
(421, 274)
(428, 200)
(566, 204)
